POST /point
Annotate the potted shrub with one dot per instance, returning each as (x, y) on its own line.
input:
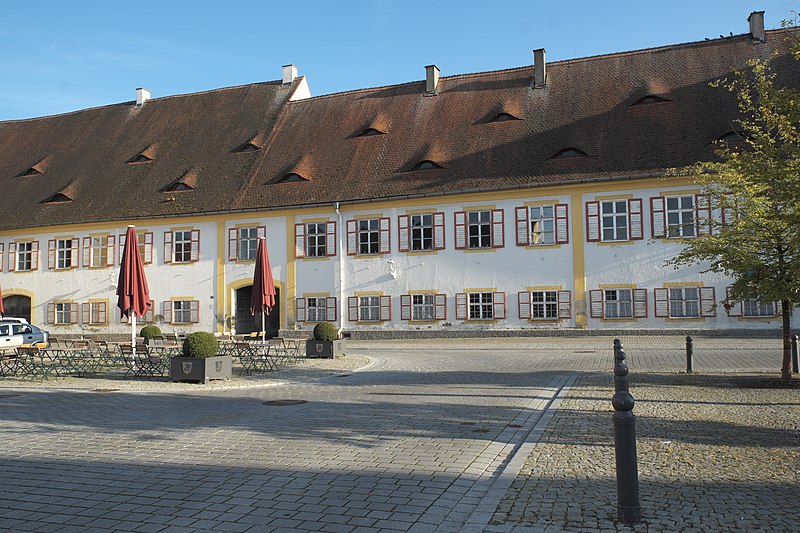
(200, 361)
(148, 332)
(326, 342)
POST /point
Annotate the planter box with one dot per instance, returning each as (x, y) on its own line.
(191, 369)
(325, 348)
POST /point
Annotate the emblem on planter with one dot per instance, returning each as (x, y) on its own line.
(218, 366)
(319, 347)
(186, 367)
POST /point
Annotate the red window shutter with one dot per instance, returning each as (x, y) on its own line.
(2, 255)
(499, 305)
(440, 306)
(233, 244)
(498, 229)
(73, 313)
(352, 234)
(661, 298)
(300, 240)
(562, 223)
(405, 307)
(596, 306)
(194, 313)
(733, 307)
(703, 211)
(331, 310)
(168, 247)
(121, 243)
(261, 232)
(75, 253)
(564, 304)
(592, 221)
(51, 313)
(51, 254)
(166, 310)
(523, 229)
(35, 255)
(148, 248)
(728, 208)
(708, 302)
(635, 223)
(657, 218)
(461, 306)
(12, 257)
(110, 251)
(148, 315)
(386, 308)
(195, 253)
(461, 229)
(640, 303)
(438, 231)
(87, 252)
(330, 239)
(385, 245)
(524, 304)
(300, 309)
(86, 313)
(102, 313)
(402, 238)
(352, 308)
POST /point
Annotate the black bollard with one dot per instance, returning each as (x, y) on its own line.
(689, 352)
(795, 362)
(628, 508)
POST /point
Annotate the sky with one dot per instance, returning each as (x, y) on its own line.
(59, 56)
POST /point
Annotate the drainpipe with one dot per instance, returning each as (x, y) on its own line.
(341, 270)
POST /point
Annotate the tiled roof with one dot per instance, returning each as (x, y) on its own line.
(587, 104)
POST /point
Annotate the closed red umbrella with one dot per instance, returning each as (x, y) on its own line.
(2, 307)
(133, 296)
(262, 299)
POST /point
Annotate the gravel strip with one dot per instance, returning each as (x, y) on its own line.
(715, 453)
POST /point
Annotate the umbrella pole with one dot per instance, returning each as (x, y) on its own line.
(263, 333)
(133, 333)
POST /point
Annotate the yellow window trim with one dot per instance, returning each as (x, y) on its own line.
(312, 259)
(553, 202)
(617, 286)
(427, 211)
(479, 208)
(546, 288)
(612, 197)
(316, 295)
(424, 252)
(478, 250)
(685, 192)
(679, 284)
(369, 293)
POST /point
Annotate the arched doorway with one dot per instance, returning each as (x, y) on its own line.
(18, 306)
(247, 323)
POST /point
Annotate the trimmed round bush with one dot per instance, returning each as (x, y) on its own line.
(148, 332)
(200, 344)
(325, 331)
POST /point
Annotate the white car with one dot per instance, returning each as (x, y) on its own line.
(16, 332)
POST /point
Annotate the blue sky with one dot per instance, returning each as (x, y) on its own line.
(59, 56)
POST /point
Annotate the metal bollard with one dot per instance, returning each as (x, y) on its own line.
(795, 362)
(689, 352)
(628, 508)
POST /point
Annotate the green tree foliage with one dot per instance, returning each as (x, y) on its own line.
(754, 189)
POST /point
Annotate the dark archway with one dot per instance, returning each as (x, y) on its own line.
(247, 323)
(18, 306)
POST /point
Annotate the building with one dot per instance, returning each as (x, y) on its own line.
(523, 199)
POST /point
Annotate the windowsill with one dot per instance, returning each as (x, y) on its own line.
(615, 243)
(545, 320)
(325, 258)
(620, 318)
(474, 250)
(424, 322)
(540, 246)
(686, 319)
(481, 321)
(422, 252)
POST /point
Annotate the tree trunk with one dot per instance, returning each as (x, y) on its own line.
(786, 367)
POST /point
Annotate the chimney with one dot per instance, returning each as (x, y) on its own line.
(539, 72)
(431, 79)
(756, 20)
(289, 74)
(142, 95)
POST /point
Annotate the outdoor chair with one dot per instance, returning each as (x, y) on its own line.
(143, 364)
(254, 360)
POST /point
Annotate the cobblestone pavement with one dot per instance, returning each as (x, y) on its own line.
(432, 436)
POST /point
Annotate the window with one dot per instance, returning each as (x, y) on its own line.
(421, 232)
(481, 305)
(422, 307)
(683, 216)
(545, 304)
(182, 246)
(25, 256)
(369, 308)
(62, 313)
(618, 303)
(684, 302)
(542, 225)
(64, 253)
(98, 249)
(182, 311)
(145, 242)
(147, 318)
(316, 309)
(317, 239)
(680, 216)
(425, 165)
(614, 220)
(248, 243)
(753, 307)
(479, 229)
(368, 236)
(94, 313)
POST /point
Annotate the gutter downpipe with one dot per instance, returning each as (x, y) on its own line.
(341, 272)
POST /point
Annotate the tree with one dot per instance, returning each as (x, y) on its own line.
(754, 190)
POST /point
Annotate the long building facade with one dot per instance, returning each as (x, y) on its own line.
(524, 199)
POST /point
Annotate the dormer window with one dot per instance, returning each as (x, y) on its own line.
(178, 186)
(292, 177)
(425, 164)
(568, 153)
(245, 148)
(58, 198)
(731, 137)
(502, 117)
(140, 158)
(650, 99)
(35, 170)
(31, 172)
(369, 132)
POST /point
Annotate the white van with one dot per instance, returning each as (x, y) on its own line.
(17, 332)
